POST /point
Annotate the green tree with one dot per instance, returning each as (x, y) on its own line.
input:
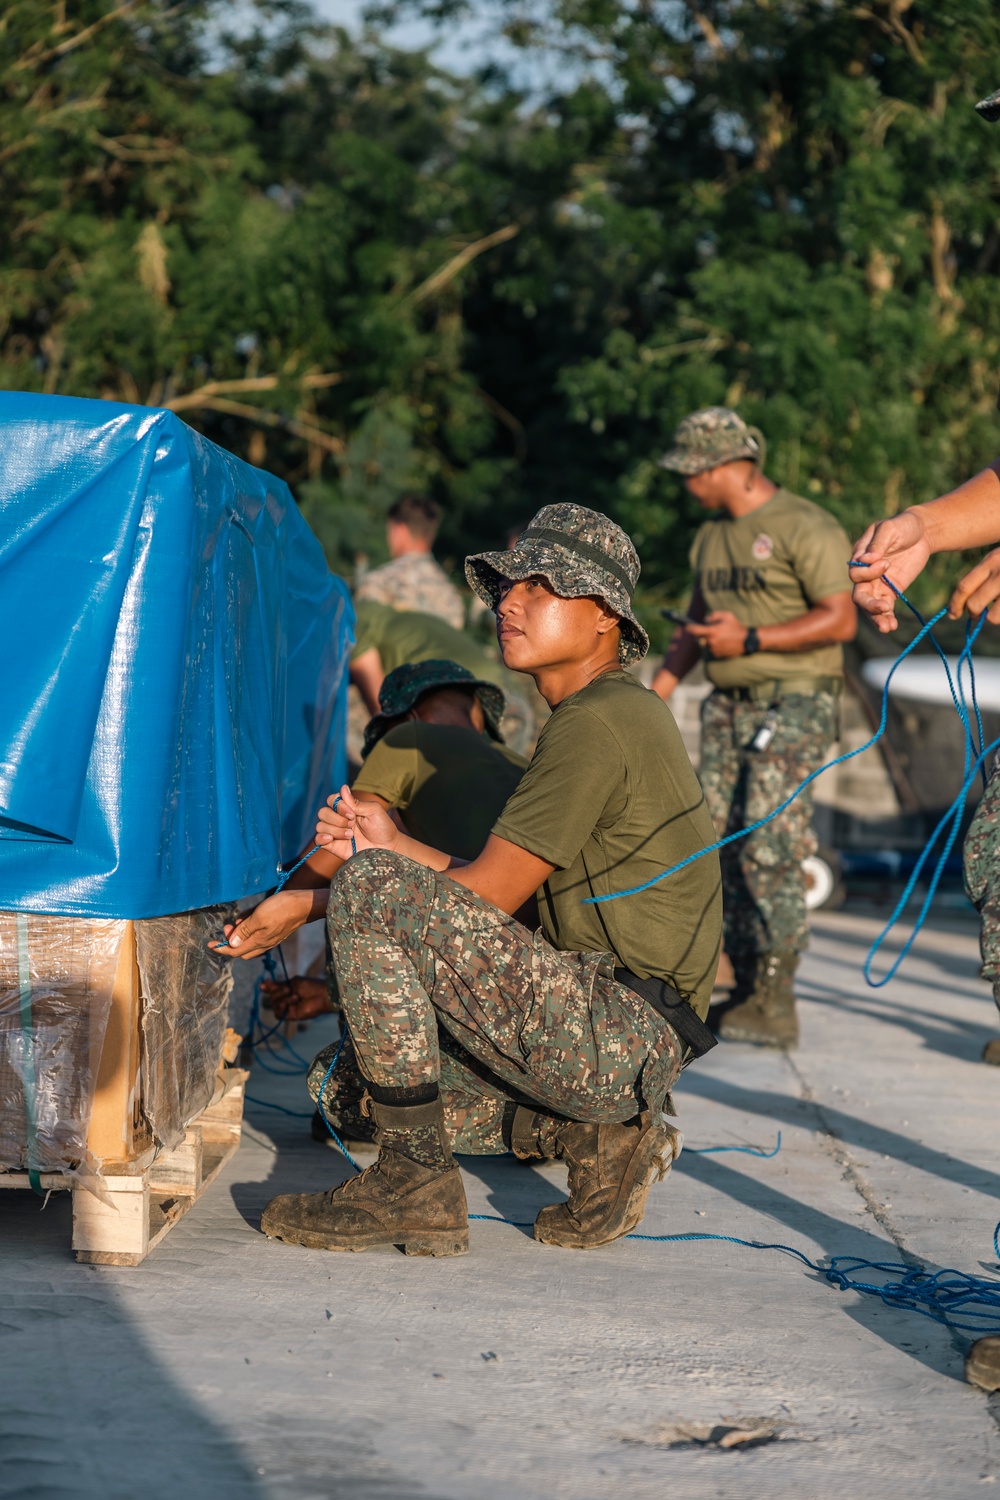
(790, 208)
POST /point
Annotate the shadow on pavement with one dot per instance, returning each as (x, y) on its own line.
(87, 1409)
(956, 1038)
(907, 1331)
(847, 1128)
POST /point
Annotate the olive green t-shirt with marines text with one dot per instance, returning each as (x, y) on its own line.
(766, 568)
(610, 799)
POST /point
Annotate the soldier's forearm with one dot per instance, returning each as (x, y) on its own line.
(831, 622)
(968, 516)
(682, 654)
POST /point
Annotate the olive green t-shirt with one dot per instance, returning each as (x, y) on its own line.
(610, 799)
(766, 568)
(450, 784)
(405, 635)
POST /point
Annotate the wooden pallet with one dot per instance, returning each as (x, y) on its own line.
(141, 1192)
(141, 1200)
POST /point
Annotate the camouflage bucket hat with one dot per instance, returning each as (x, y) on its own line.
(713, 436)
(579, 552)
(406, 685)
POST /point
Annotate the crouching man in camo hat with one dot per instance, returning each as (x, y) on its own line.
(561, 1042)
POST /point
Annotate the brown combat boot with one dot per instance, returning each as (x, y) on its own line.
(412, 1196)
(611, 1170)
(982, 1364)
(767, 1016)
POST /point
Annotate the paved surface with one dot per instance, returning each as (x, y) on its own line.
(228, 1366)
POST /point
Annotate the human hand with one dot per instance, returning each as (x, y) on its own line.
(979, 590)
(722, 633)
(345, 818)
(298, 999)
(269, 924)
(898, 546)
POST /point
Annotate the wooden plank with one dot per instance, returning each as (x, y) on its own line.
(179, 1170)
(52, 1182)
(115, 1225)
(110, 1236)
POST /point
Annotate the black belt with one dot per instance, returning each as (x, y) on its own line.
(671, 1008)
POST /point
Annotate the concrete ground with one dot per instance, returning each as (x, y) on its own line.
(228, 1366)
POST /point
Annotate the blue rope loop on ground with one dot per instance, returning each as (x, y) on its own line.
(957, 1299)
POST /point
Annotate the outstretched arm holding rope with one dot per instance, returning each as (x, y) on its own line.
(967, 517)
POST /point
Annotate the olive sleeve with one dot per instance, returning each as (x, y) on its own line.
(819, 555)
(390, 770)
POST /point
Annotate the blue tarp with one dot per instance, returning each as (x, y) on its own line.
(172, 665)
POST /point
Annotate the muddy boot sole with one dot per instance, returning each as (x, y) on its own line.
(417, 1223)
(652, 1159)
(982, 1364)
(425, 1242)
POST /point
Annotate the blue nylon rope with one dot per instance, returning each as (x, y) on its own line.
(284, 876)
(950, 821)
(959, 1300)
(743, 833)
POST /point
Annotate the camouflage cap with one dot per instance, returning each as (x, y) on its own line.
(404, 686)
(579, 552)
(713, 436)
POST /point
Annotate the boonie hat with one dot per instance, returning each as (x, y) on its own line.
(404, 686)
(714, 435)
(579, 552)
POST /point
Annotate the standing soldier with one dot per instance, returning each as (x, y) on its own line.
(413, 578)
(770, 610)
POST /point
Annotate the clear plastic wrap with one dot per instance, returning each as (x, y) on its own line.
(56, 982)
(185, 1009)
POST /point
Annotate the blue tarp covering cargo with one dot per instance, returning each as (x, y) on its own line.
(172, 665)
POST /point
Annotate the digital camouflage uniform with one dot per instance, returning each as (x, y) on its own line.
(414, 581)
(763, 898)
(469, 1030)
(981, 868)
(415, 952)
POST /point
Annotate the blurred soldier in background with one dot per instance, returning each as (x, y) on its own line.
(388, 638)
(770, 609)
(413, 579)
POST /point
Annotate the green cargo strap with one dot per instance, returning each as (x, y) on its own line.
(27, 1032)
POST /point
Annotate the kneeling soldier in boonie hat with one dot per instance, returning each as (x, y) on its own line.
(561, 1043)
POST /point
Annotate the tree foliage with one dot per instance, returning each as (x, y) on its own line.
(368, 275)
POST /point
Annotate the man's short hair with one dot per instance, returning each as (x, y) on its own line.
(419, 514)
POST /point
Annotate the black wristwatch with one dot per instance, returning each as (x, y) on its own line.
(751, 643)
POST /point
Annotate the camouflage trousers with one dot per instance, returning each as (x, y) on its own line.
(437, 985)
(981, 869)
(763, 889)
